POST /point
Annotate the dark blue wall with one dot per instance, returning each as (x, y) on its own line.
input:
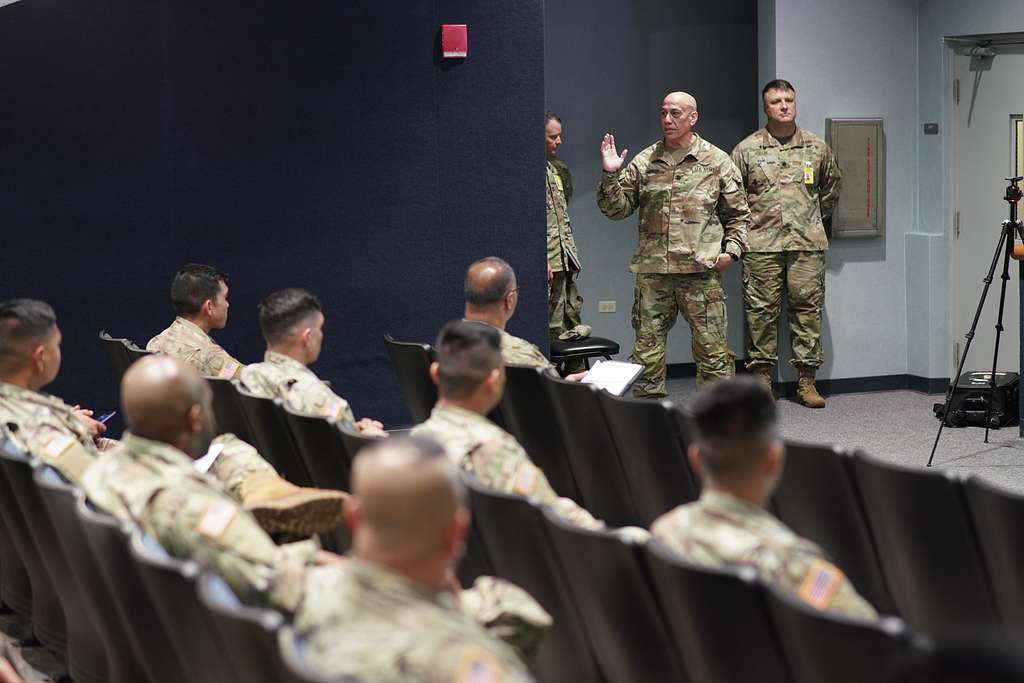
(320, 144)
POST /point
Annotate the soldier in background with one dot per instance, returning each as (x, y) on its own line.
(792, 183)
(199, 294)
(693, 225)
(739, 455)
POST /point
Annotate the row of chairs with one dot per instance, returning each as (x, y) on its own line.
(113, 605)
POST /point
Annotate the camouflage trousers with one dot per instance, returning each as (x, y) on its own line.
(236, 462)
(802, 275)
(657, 301)
(565, 308)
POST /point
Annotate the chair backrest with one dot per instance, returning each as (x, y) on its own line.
(818, 499)
(249, 633)
(134, 352)
(651, 453)
(227, 408)
(928, 548)
(271, 436)
(411, 362)
(709, 611)
(996, 514)
(825, 646)
(617, 604)
(320, 445)
(593, 457)
(295, 668)
(117, 351)
(355, 441)
(171, 584)
(15, 587)
(529, 416)
(513, 529)
(108, 541)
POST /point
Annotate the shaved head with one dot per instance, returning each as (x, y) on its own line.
(166, 400)
(683, 99)
(678, 116)
(488, 281)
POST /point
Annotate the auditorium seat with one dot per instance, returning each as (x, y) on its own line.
(271, 436)
(249, 633)
(652, 454)
(355, 441)
(590, 347)
(818, 499)
(294, 666)
(15, 587)
(323, 451)
(529, 416)
(134, 352)
(411, 362)
(171, 584)
(616, 604)
(227, 408)
(998, 515)
(593, 457)
(718, 619)
(521, 551)
(117, 351)
(825, 646)
(928, 548)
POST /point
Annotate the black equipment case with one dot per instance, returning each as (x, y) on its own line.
(969, 404)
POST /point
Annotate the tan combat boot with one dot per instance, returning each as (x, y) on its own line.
(763, 374)
(806, 393)
(280, 506)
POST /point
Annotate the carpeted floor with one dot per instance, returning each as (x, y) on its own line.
(898, 426)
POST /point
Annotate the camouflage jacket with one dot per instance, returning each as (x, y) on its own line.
(562, 169)
(46, 427)
(562, 253)
(280, 376)
(719, 529)
(376, 625)
(517, 351)
(792, 189)
(185, 341)
(155, 486)
(692, 206)
(477, 445)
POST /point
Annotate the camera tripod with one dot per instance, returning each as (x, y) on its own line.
(1010, 228)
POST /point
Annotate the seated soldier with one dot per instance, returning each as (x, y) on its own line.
(491, 298)
(199, 295)
(389, 614)
(292, 323)
(740, 456)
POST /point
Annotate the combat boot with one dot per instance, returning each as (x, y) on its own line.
(806, 393)
(763, 375)
(280, 506)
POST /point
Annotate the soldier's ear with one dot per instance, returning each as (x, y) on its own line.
(775, 456)
(435, 375)
(693, 455)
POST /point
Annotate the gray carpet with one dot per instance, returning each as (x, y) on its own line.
(898, 426)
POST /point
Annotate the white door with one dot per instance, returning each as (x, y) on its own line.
(991, 101)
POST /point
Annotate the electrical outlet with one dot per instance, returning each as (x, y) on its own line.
(605, 306)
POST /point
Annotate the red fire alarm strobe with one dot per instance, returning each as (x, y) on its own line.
(454, 43)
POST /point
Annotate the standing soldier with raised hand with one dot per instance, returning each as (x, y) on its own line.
(792, 184)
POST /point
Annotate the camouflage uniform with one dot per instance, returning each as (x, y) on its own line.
(477, 445)
(720, 529)
(379, 626)
(692, 209)
(517, 351)
(280, 376)
(792, 188)
(185, 341)
(564, 301)
(562, 169)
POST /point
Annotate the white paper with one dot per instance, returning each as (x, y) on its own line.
(613, 376)
(204, 463)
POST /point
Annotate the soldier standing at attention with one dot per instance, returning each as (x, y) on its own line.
(693, 225)
(792, 183)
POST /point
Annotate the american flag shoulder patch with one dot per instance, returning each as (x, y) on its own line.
(820, 584)
(478, 666)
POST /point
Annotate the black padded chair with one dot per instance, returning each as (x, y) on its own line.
(108, 541)
(319, 443)
(592, 454)
(272, 438)
(617, 604)
(928, 548)
(227, 408)
(529, 416)
(652, 454)
(134, 352)
(171, 584)
(818, 499)
(521, 551)
(15, 587)
(48, 623)
(412, 365)
(825, 646)
(59, 497)
(117, 351)
(249, 633)
(356, 441)
(997, 515)
(294, 668)
(592, 347)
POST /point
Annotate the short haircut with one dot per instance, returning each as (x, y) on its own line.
(549, 115)
(421, 451)
(466, 352)
(489, 293)
(281, 311)
(777, 84)
(193, 285)
(24, 323)
(733, 421)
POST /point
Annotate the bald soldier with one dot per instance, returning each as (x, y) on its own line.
(389, 614)
(739, 455)
(693, 225)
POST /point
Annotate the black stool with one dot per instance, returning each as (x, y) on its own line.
(591, 347)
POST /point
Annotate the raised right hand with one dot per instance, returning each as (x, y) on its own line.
(611, 160)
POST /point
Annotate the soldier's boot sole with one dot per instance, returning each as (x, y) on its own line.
(306, 512)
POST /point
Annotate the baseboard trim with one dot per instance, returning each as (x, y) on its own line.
(845, 385)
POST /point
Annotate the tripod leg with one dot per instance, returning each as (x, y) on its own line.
(969, 337)
(1008, 234)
